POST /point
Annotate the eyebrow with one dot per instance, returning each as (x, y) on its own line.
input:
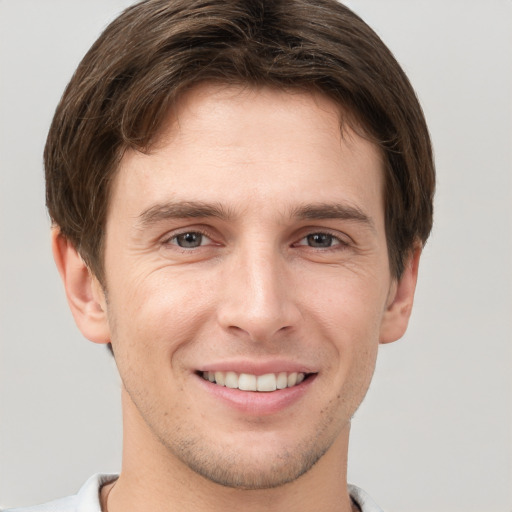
(199, 209)
(322, 211)
(181, 210)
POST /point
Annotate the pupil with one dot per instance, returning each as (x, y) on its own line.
(190, 240)
(320, 240)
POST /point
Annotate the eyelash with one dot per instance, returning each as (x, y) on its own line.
(172, 240)
(337, 243)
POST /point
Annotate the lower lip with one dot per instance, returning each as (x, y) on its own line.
(258, 403)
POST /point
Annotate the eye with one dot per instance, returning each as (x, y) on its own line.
(190, 240)
(320, 240)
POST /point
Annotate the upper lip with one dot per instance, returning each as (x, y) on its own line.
(254, 367)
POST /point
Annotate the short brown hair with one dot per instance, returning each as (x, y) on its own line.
(157, 49)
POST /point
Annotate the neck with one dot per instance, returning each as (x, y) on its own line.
(154, 479)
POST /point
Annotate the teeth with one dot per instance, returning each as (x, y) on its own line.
(249, 382)
(266, 382)
(220, 378)
(231, 380)
(282, 380)
(292, 379)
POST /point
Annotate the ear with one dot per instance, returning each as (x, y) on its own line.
(401, 298)
(85, 295)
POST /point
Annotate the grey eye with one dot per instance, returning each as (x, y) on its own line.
(321, 240)
(189, 240)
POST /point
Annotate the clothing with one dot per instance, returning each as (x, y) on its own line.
(87, 499)
(362, 499)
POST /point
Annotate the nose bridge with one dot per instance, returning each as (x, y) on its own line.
(257, 298)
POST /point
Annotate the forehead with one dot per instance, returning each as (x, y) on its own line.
(245, 146)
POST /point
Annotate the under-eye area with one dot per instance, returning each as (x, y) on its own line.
(248, 382)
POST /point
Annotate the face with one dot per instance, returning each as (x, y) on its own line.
(247, 282)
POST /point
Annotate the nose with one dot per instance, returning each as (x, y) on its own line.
(258, 296)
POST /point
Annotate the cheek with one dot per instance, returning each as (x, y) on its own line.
(353, 324)
(347, 313)
(159, 311)
(347, 302)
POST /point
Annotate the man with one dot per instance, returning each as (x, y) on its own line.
(240, 193)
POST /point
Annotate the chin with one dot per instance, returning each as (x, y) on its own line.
(255, 469)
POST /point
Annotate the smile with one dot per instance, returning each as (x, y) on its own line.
(248, 382)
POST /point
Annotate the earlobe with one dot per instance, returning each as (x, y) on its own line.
(398, 311)
(85, 295)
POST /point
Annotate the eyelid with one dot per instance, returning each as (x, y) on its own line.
(342, 238)
(205, 240)
(170, 237)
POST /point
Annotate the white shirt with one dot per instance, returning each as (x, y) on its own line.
(88, 499)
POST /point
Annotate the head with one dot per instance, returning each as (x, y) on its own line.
(155, 51)
(249, 185)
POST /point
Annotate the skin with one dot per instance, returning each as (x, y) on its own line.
(293, 271)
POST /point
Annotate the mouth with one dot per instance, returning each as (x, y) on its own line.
(259, 383)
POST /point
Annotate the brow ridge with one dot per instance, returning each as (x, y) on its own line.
(199, 209)
(323, 211)
(182, 210)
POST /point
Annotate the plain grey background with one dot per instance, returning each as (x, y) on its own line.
(435, 431)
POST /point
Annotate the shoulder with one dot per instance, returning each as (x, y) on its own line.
(86, 500)
(363, 499)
